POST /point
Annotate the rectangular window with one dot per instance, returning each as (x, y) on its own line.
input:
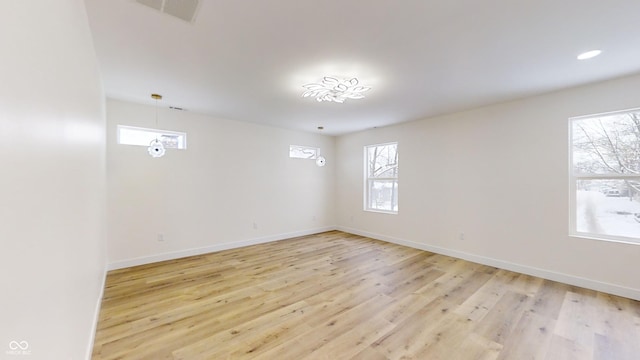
(605, 176)
(381, 178)
(129, 135)
(303, 152)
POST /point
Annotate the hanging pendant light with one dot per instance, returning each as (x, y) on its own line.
(156, 148)
(320, 160)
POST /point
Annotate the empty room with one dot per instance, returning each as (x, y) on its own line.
(206, 179)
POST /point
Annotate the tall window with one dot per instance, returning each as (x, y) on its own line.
(381, 178)
(605, 176)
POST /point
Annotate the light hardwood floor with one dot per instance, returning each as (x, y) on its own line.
(341, 296)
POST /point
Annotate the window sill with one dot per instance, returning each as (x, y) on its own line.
(607, 239)
(382, 211)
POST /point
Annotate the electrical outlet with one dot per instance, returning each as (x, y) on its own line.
(160, 237)
(255, 226)
(461, 236)
(314, 218)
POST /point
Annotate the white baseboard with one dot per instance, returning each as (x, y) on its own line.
(523, 269)
(528, 270)
(213, 248)
(96, 316)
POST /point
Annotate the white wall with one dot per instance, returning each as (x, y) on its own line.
(207, 197)
(52, 187)
(500, 175)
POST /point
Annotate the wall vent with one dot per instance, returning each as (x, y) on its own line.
(182, 9)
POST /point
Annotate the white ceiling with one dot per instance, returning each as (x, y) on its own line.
(247, 60)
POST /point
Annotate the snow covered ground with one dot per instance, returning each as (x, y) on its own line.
(600, 214)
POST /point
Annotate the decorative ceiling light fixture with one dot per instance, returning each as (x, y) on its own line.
(589, 54)
(332, 89)
(156, 148)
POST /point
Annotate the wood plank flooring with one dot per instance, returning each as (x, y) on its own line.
(341, 296)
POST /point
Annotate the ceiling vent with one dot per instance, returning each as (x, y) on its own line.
(182, 9)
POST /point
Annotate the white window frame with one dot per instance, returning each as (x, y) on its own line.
(314, 151)
(153, 133)
(368, 180)
(574, 178)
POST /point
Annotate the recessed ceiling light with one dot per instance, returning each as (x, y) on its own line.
(589, 54)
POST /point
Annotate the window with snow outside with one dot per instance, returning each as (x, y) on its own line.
(381, 178)
(605, 176)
